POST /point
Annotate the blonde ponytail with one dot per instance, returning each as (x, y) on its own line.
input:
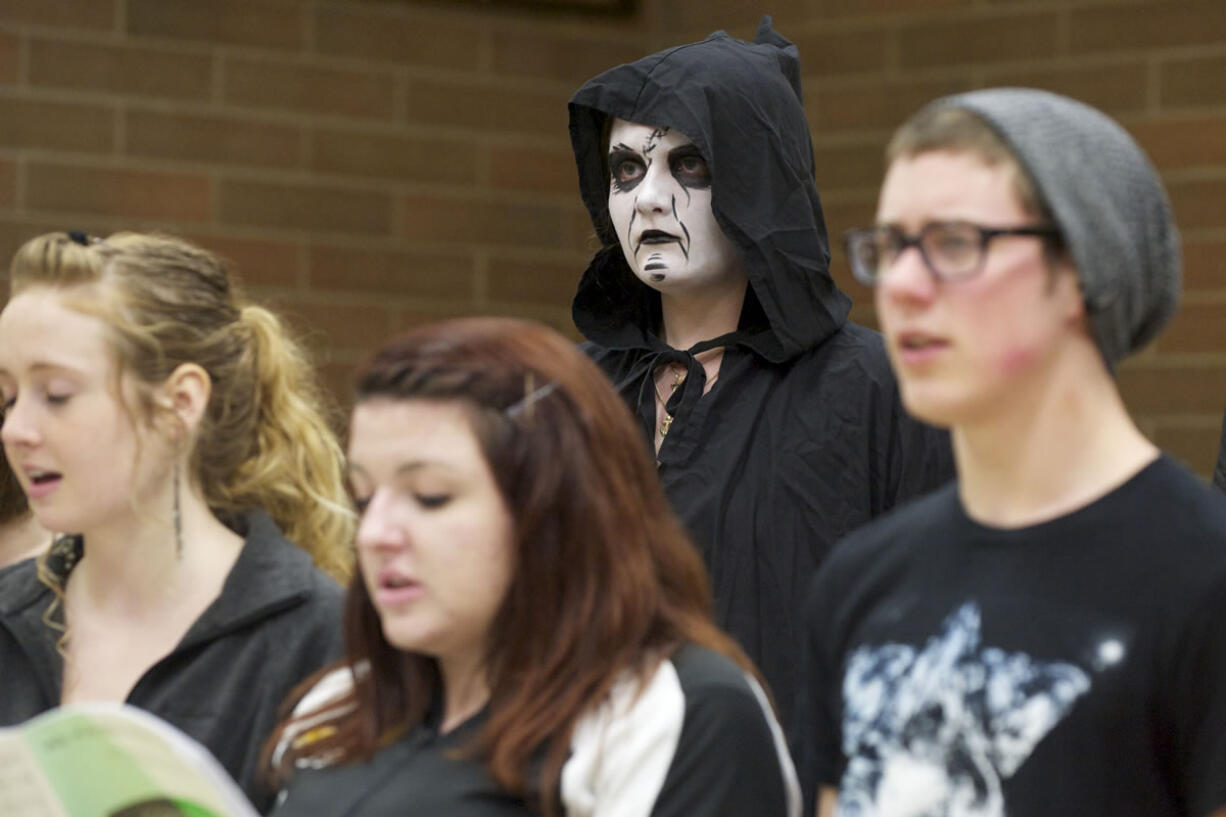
(296, 472)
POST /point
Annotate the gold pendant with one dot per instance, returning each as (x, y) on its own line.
(665, 423)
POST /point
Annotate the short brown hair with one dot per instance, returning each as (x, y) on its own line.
(958, 130)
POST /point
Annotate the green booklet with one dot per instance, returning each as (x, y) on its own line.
(111, 760)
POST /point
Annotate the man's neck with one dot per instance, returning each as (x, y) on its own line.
(1058, 447)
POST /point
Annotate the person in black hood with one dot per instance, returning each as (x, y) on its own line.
(777, 423)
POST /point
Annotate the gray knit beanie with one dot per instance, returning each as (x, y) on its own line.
(1107, 201)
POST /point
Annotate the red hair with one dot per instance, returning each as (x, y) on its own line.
(605, 579)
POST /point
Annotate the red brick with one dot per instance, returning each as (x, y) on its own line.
(30, 123)
(508, 222)
(997, 38)
(613, 9)
(1204, 265)
(136, 194)
(255, 262)
(1195, 446)
(863, 314)
(518, 280)
(259, 23)
(1193, 82)
(1186, 388)
(94, 14)
(845, 105)
(556, 318)
(411, 318)
(395, 34)
(487, 107)
(563, 57)
(847, 212)
(1176, 144)
(582, 236)
(1170, 24)
(16, 230)
(392, 273)
(1199, 202)
(514, 167)
(524, 224)
(338, 326)
(692, 20)
(8, 187)
(10, 57)
(153, 72)
(860, 50)
(396, 156)
(217, 139)
(1196, 328)
(304, 207)
(878, 8)
(304, 87)
(336, 372)
(858, 166)
(1115, 87)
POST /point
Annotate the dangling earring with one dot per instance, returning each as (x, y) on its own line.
(178, 516)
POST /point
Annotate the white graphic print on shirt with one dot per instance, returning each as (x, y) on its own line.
(933, 733)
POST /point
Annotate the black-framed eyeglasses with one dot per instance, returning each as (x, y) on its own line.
(952, 250)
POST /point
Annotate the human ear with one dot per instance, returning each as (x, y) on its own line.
(1064, 285)
(1073, 298)
(184, 396)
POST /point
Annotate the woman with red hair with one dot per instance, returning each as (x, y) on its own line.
(531, 629)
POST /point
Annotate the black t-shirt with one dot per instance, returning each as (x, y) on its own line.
(1073, 667)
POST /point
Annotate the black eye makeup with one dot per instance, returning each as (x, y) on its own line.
(689, 168)
(626, 169)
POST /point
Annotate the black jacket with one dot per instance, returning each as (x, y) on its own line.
(802, 438)
(276, 621)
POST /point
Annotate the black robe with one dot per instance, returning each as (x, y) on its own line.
(802, 438)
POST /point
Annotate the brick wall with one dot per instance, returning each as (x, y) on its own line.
(369, 164)
(365, 165)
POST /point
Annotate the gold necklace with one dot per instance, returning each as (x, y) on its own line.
(678, 379)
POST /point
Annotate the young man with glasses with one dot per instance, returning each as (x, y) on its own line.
(1043, 636)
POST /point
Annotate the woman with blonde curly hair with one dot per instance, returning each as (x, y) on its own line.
(174, 433)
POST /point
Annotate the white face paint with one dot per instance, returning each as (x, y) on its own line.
(660, 205)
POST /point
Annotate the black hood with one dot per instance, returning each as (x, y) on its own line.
(740, 103)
